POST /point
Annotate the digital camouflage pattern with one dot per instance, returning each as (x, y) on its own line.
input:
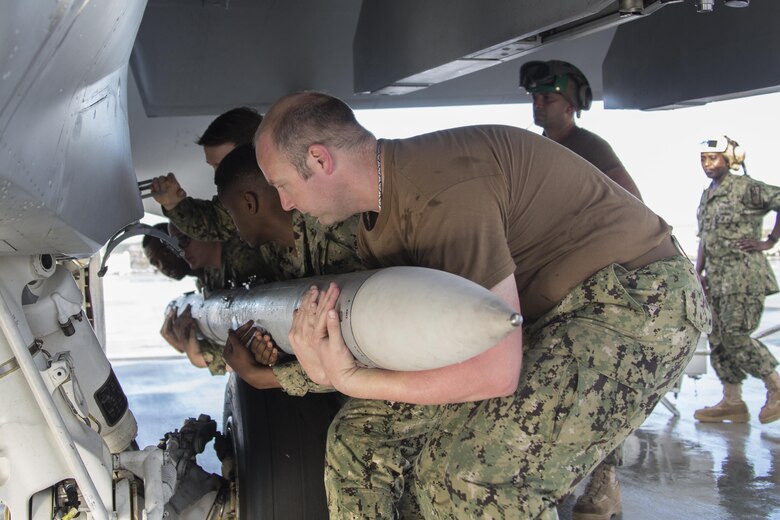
(376, 480)
(734, 354)
(212, 355)
(594, 368)
(319, 250)
(597, 151)
(241, 264)
(294, 380)
(208, 279)
(206, 220)
(324, 249)
(737, 280)
(734, 211)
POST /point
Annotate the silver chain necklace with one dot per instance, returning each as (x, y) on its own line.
(379, 171)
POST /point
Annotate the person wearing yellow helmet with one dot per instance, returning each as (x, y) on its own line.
(738, 277)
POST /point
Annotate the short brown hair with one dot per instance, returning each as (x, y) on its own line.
(235, 126)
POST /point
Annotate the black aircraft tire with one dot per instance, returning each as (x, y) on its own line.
(279, 449)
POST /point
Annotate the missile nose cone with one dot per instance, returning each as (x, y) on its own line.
(414, 318)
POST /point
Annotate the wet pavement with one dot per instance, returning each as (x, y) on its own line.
(676, 467)
(163, 393)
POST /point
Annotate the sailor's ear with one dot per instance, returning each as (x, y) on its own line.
(319, 159)
(251, 202)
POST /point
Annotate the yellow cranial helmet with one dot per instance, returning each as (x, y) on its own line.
(734, 154)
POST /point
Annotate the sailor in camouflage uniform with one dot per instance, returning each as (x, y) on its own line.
(293, 244)
(202, 219)
(738, 278)
(216, 265)
(207, 219)
(318, 250)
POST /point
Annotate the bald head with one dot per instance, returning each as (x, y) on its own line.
(297, 121)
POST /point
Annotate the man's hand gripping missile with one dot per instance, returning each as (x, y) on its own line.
(317, 341)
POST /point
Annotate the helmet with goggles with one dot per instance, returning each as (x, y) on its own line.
(729, 148)
(558, 77)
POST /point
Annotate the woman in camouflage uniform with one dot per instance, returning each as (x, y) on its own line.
(738, 278)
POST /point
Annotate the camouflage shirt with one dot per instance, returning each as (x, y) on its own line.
(319, 250)
(733, 211)
(203, 219)
(241, 264)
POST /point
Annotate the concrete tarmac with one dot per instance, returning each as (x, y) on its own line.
(676, 467)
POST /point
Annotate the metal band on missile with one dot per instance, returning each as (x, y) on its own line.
(399, 318)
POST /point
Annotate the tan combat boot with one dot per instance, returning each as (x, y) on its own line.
(730, 408)
(771, 410)
(601, 499)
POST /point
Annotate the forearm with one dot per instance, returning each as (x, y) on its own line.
(195, 355)
(202, 219)
(294, 381)
(776, 229)
(622, 178)
(261, 378)
(494, 373)
(700, 258)
(317, 341)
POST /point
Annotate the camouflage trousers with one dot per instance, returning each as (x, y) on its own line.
(594, 367)
(734, 353)
(615, 458)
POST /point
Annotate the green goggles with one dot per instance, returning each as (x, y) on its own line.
(538, 76)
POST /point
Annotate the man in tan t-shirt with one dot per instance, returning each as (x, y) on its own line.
(612, 310)
(560, 91)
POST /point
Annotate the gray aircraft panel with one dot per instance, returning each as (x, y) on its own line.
(66, 177)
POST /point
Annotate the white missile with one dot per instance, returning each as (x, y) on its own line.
(398, 318)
